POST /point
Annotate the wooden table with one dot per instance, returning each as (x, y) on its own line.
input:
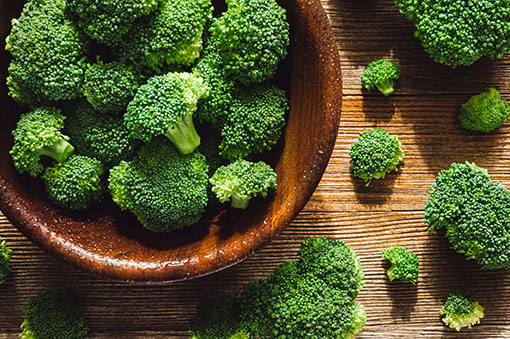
(390, 212)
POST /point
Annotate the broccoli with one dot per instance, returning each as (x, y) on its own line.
(75, 184)
(48, 53)
(165, 106)
(38, 133)
(53, 314)
(375, 154)
(164, 189)
(484, 112)
(309, 298)
(172, 35)
(252, 37)
(404, 264)
(255, 121)
(381, 74)
(106, 21)
(5, 258)
(242, 180)
(110, 87)
(460, 311)
(475, 212)
(456, 32)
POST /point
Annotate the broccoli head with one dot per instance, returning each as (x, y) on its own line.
(53, 314)
(475, 212)
(255, 121)
(460, 311)
(5, 258)
(242, 180)
(163, 188)
(76, 183)
(48, 53)
(165, 106)
(457, 33)
(484, 112)
(38, 133)
(404, 264)
(375, 154)
(381, 74)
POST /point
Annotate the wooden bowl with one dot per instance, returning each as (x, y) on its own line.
(110, 243)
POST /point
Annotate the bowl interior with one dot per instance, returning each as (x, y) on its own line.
(111, 243)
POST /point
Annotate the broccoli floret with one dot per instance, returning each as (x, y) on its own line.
(165, 106)
(5, 258)
(38, 133)
(255, 121)
(375, 154)
(404, 264)
(76, 183)
(475, 212)
(53, 314)
(460, 311)
(242, 180)
(456, 33)
(110, 87)
(252, 37)
(381, 74)
(106, 21)
(48, 55)
(164, 189)
(484, 112)
(171, 35)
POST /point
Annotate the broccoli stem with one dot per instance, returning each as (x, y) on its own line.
(60, 151)
(386, 86)
(184, 135)
(238, 202)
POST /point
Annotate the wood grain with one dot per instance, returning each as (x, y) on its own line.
(423, 114)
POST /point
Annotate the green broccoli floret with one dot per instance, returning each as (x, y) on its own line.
(165, 106)
(5, 258)
(255, 121)
(252, 37)
(110, 87)
(475, 212)
(48, 55)
(53, 314)
(375, 154)
(242, 180)
(171, 35)
(76, 183)
(164, 189)
(381, 74)
(454, 32)
(106, 21)
(404, 264)
(38, 133)
(460, 311)
(484, 112)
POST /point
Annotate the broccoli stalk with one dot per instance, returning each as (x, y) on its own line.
(381, 74)
(183, 134)
(404, 264)
(460, 311)
(60, 150)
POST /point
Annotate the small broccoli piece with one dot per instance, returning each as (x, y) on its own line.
(76, 183)
(460, 311)
(5, 258)
(404, 264)
(48, 55)
(255, 121)
(252, 37)
(475, 212)
(375, 154)
(457, 33)
(106, 21)
(484, 112)
(38, 134)
(110, 87)
(381, 74)
(164, 189)
(165, 106)
(171, 35)
(242, 180)
(53, 314)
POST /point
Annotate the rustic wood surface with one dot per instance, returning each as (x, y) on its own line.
(423, 114)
